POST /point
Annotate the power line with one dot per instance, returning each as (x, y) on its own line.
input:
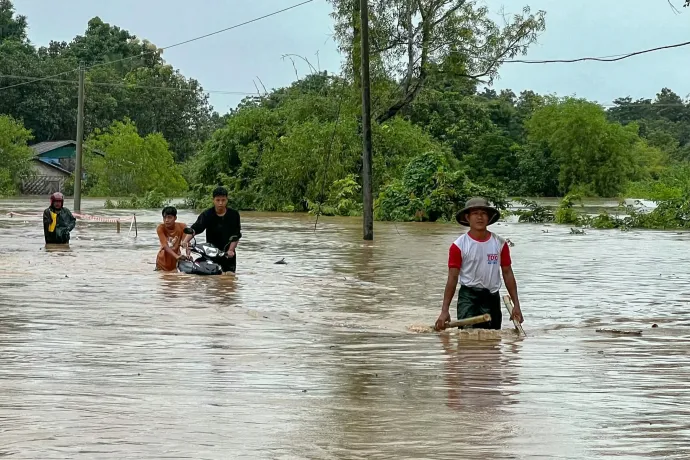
(206, 35)
(132, 86)
(166, 47)
(36, 79)
(422, 100)
(613, 58)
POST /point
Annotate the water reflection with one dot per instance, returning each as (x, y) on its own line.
(480, 374)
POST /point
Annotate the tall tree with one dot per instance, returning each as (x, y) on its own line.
(12, 27)
(410, 36)
(592, 153)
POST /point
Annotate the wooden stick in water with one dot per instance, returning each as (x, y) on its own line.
(467, 321)
(508, 302)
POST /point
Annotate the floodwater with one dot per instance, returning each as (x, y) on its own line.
(103, 358)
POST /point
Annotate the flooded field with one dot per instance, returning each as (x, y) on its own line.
(103, 358)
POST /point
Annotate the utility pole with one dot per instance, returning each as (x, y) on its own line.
(367, 195)
(80, 140)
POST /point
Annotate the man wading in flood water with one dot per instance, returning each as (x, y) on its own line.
(58, 221)
(222, 226)
(474, 259)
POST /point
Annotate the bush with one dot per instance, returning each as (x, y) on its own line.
(343, 199)
(430, 191)
(566, 214)
(534, 213)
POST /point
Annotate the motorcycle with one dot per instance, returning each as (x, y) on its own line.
(206, 262)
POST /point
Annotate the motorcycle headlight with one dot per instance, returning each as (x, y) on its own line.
(212, 252)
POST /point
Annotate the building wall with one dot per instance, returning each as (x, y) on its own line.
(64, 157)
(45, 181)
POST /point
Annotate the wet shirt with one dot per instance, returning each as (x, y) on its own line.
(57, 225)
(479, 262)
(218, 229)
(172, 239)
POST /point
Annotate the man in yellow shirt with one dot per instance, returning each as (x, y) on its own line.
(58, 221)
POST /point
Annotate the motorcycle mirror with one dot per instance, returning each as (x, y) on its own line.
(188, 231)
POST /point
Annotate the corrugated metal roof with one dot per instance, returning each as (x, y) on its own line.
(52, 165)
(43, 147)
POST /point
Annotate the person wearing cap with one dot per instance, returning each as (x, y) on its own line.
(477, 260)
(58, 221)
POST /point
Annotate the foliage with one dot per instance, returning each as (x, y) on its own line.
(534, 212)
(131, 165)
(343, 199)
(136, 84)
(283, 151)
(15, 156)
(431, 190)
(151, 200)
(591, 152)
(200, 196)
(673, 182)
(411, 38)
(566, 213)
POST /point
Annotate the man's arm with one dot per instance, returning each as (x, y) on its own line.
(164, 244)
(454, 265)
(71, 220)
(199, 226)
(511, 286)
(46, 221)
(448, 293)
(238, 233)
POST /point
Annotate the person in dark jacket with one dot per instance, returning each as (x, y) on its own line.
(58, 221)
(223, 229)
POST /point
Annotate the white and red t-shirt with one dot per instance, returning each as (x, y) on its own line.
(479, 262)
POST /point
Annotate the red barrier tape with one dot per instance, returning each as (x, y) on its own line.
(80, 216)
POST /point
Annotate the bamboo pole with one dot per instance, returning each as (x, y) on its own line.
(508, 302)
(466, 322)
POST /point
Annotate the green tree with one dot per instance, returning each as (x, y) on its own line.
(106, 44)
(431, 188)
(591, 152)
(12, 27)
(132, 165)
(15, 156)
(178, 108)
(410, 37)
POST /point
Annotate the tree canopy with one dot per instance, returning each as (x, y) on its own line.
(440, 132)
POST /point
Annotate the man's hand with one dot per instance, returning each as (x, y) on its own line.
(517, 313)
(443, 318)
(230, 253)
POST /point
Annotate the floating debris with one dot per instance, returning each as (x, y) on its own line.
(618, 331)
(575, 231)
(281, 262)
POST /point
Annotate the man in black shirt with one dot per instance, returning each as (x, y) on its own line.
(222, 226)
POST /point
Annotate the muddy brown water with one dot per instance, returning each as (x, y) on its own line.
(103, 358)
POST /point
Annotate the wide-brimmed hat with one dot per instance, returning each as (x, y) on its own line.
(477, 203)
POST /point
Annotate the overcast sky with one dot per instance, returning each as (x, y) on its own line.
(231, 60)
